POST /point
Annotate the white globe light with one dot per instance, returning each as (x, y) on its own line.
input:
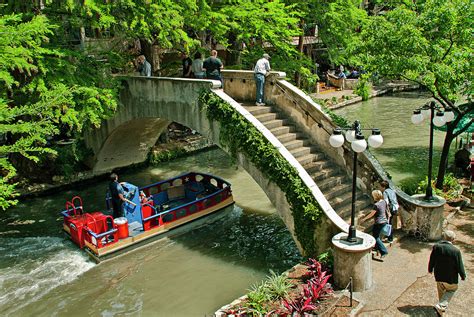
(336, 140)
(375, 140)
(448, 115)
(438, 120)
(417, 117)
(426, 113)
(359, 145)
(350, 135)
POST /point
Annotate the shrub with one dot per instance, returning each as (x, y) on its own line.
(363, 87)
(451, 188)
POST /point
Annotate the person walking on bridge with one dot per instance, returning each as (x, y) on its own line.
(391, 199)
(262, 67)
(446, 262)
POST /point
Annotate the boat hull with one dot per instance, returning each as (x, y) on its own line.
(165, 231)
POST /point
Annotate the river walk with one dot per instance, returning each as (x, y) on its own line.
(402, 284)
(347, 97)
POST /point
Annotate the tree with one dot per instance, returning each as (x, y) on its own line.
(429, 43)
(44, 91)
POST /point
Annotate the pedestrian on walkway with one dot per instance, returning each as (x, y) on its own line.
(446, 262)
(262, 67)
(391, 199)
(379, 213)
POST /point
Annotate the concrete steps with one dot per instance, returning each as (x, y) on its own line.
(333, 183)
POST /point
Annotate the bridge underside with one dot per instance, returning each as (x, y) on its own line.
(129, 143)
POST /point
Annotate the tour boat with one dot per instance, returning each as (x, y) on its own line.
(151, 212)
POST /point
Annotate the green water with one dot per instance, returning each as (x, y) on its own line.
(404, 153)
(42, 274)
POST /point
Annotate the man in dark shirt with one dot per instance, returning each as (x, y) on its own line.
(117, 195)
(212, 66)
(446, 261)
(187, 63)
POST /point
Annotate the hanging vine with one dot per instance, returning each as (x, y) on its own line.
(239, 135)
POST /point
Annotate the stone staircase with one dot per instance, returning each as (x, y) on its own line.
(331, 180)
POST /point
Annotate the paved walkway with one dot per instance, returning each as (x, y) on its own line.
(342, 95)
(403, 286)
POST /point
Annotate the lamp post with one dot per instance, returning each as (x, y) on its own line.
(441, 117)
(358, 145)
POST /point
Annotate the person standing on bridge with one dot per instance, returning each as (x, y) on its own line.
(262, 67)
(117, 195)
(446, 262)
(212, 66)
(143, 66)
(197, 66)
(186, 62)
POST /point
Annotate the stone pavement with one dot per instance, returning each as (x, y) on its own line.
(402, 284)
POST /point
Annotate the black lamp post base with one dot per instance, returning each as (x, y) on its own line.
(352, 241)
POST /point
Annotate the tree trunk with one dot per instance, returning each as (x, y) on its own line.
(300, 49)
(443, 162)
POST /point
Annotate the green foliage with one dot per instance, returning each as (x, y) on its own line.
(239, 135)
(278, 285)
(69, 158)
(327, 260)
(339, 23)
(363, 87)
(257, 297)
(429, 43)
(164, 156)
(451, 187)
(337, 119)
(44, 92)
(273, 288)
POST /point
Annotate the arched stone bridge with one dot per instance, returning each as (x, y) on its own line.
(294, 125)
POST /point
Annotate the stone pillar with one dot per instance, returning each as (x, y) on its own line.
(429, 217)
(353, 261)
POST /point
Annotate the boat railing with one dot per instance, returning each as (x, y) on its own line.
(160, 214)
(192, 175)
(100, 235)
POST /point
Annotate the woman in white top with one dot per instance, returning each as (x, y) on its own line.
(196, 67)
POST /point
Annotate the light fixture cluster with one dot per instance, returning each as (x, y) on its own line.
(358, 143)
(440, 118)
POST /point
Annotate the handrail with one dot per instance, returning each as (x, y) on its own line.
(100, 235)
(297, 104)
(65, 212)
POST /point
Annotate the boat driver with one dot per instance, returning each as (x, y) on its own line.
(117, 195)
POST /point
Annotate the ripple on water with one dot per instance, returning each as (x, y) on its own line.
(32, 267)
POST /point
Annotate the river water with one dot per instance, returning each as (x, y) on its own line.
(404, 153)
(42, 274)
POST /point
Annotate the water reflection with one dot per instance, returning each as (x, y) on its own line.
(404, 153)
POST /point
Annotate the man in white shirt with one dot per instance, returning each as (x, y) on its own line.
(260, 71)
